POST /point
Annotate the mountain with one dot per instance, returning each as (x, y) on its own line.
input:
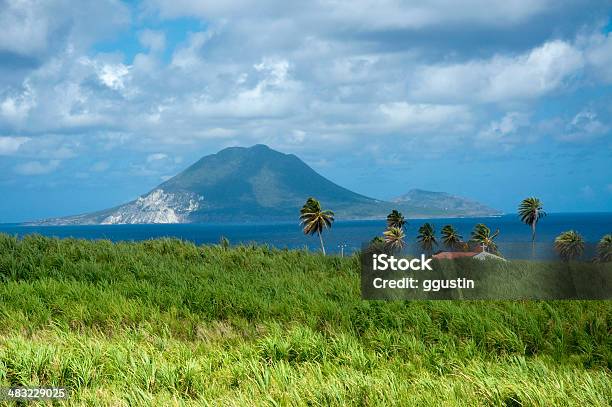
(440, 203)
(258, 184)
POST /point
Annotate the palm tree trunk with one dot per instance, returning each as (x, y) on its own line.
(533, 236)
(322, 246)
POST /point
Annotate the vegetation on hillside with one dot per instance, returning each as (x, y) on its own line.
(165, 322)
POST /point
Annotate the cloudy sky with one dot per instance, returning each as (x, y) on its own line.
(102, 100)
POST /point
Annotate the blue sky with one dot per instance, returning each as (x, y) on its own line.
(102, 100)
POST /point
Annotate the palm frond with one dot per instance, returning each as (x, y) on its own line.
(482, 235)
(451, 238)
(426, 237)
(569, 245)
(314, 220)
(530, 210)
(394, 238)
(604, 249)
(395, 219)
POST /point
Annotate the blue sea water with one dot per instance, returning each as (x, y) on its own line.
(514, 240)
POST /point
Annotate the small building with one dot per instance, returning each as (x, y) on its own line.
(480, 253)
(487, 256)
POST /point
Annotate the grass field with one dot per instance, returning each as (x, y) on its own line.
(164, 322)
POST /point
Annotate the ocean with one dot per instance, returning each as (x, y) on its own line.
(514, 240)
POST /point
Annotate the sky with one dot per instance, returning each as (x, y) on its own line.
(101, 100)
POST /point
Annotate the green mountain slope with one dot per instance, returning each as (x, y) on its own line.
(261, 183)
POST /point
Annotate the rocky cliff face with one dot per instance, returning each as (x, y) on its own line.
(157, 206)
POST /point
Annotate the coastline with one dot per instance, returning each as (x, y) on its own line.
(350, 234)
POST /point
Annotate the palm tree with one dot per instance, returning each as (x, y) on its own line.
(427, 237)
(394, 239)
(377, 244)
(395, 219)
(569, 245)
(315, 220)
(377, 240)
(451, 238)
(530, 211)
(604, 249)
(482, 235)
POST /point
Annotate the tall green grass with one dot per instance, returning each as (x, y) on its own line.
(165, 322)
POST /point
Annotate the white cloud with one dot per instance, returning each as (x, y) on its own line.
(506, 130)
(24, 27)
(276, 69)
(50, 147)
(153, 40)
(399, 14)
(599, 55)
(332, 73)
(297, 137)
(34, 28)
(16, 106)
(112, 75)
(274, 94)
(515, 128)
(188, 56)
(64, 95)
(156, 157)
(37, 168)
(501, 78)
(10, 145)
(370, 14)
(421, 117)
(584, 125)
